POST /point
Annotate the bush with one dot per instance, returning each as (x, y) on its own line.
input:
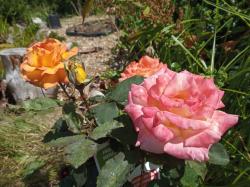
(205, 38)
(4, 30)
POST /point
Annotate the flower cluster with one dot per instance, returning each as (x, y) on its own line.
(177, 113)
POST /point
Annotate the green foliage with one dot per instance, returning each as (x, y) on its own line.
(115, 172)
(105, 129)
(65, 141)
(78, 148)
(4, 30)
(38, 104)
(105, 113)
(121, 134)
(193, 171)
(79, 152)
(22, 154)
(33, 166)
(56, 36)
(24, 37)
(120, 93)
(24, 10)
(72, 118)
(218, 155)
(2, 72)
(210, 38)
(14, 10)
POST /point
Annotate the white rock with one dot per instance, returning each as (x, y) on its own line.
(39, 22)
(94, 93)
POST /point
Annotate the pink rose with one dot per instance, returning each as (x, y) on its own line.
(177, 114)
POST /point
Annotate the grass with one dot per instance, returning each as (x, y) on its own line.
(22, 152)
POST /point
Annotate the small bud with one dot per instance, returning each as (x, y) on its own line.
(76, 72)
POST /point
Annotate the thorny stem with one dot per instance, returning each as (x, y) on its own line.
(43, 92)
(65, 91)
(83, 97)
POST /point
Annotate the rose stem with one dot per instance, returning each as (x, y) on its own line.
(43, 92)
(80, 89)
(64, 90)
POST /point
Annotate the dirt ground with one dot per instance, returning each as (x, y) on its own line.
(95, 62)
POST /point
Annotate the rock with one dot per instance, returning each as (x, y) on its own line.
(69, 45)
(95, 93)
(17, 89)
(39, 22)
(10, 39)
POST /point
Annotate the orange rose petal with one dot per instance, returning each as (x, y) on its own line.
(49, 44)
(70, 53)
(146, 67)
(32, 76)
(53, 70)
(49, 81)
(46, 60)
(26, 67)
(62, 76)
(32, 58)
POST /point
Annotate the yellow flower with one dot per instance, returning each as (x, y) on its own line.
(76, 73)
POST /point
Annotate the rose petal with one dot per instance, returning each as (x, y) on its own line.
(224, 120)
(134, 111)
(54, 70)
(182, 122)
(162, 133)
(34, 76)
(68, 54)
(139, 95)
(48, 81)
(149, 111)
(203, 139)
(148, 142)
(161, 83)
(26, 67)
(189, 153)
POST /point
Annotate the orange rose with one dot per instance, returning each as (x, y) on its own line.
(43, 63)
(146, 67)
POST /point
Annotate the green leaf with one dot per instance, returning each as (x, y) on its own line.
(168, 161)
(121, 134)
(115, 172)
(59, 130)
(137, 4)
(74, 177)
(120, 93)
(72, 119)
(199, 167)
(32, 167)
(190, 177)
(69, 107)
(105, 129)
(2, 72)
(80, 151)
(146, 11)
(38, 104)
(64, 141)
(218, 155)
(80, 175)
(105, 112)
(157, 183)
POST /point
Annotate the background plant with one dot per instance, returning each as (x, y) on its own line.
(204, 37)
